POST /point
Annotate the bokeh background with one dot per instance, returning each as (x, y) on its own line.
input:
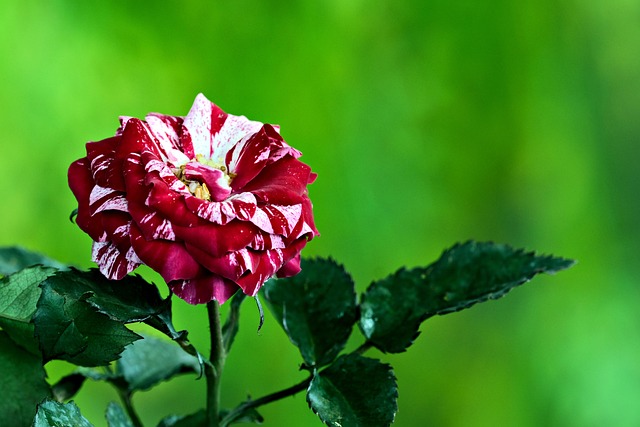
(428, 123)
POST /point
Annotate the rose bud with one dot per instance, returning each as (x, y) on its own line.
(211, 201)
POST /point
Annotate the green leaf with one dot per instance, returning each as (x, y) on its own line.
(116, 416)
(54, 414)
(317, 308)
(249, 416)
(19, 295)
(354, 391)
(198, 419)
(150, 361)
(23, 384)
(131, 299)
(393, 308)
(68, 328)
(15, 258)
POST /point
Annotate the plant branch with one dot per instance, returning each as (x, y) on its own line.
(213, 370)
(125, 397)
(230, 328)
(243, 408)
(367, 345)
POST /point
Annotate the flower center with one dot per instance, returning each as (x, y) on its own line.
(206, 179)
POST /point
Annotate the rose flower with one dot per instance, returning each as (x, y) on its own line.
(211, 201)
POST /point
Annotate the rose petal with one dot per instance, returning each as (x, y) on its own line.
(113, 264)
(81, 184)
(290, 268)
(241, 206)
(283, 182)
(164, 130)
(170, 259)
(215, 179)
(218, 240)
(106, 170)
(230, 266)
(204, 289)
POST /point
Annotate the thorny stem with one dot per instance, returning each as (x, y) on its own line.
(213, 370)
(243, 408)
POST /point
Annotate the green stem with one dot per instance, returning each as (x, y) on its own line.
(363, 348)
(230, 328)
(125, 396)
(243, 408)
(213, 369)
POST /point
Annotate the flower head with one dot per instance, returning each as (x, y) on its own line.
(211, 201)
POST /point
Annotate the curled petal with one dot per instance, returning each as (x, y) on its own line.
(170, 259)
(215, 179)
(113, 264)
(201, 290)
(218, 240)
(290, 268)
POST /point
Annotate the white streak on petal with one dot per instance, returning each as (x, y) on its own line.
(98, 193)
(118, 203)
(291, 213)
(262, 221)
(247, 261)
(277, 242)
(132, 256)
(123, 230)
(167, 139)
(112, 263)
(198, 124)
(164, 231)
(225, 211)
(234, 134)
(162, 168)
(306, 229)
(99, 163)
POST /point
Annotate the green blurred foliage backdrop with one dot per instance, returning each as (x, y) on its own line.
(428, 123)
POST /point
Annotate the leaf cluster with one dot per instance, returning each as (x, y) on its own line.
(319, 307)
(49, 311)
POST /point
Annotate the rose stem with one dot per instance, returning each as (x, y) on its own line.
(251, 404)
(230, 328)
(213, 370)
(363, 348)
(125, 396)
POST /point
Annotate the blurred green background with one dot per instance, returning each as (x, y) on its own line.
(428, 123)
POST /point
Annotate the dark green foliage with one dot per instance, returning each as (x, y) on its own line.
(150, 361)
(317, 309)
(354, 391)
(81, 316)
(23, 384)
(19, 295)
(131, 299)
(393, 308)
(54, 414)
(69, 328)
(15, 258)
(116, 416)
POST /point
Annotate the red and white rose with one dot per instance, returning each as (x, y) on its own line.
(213, 202)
